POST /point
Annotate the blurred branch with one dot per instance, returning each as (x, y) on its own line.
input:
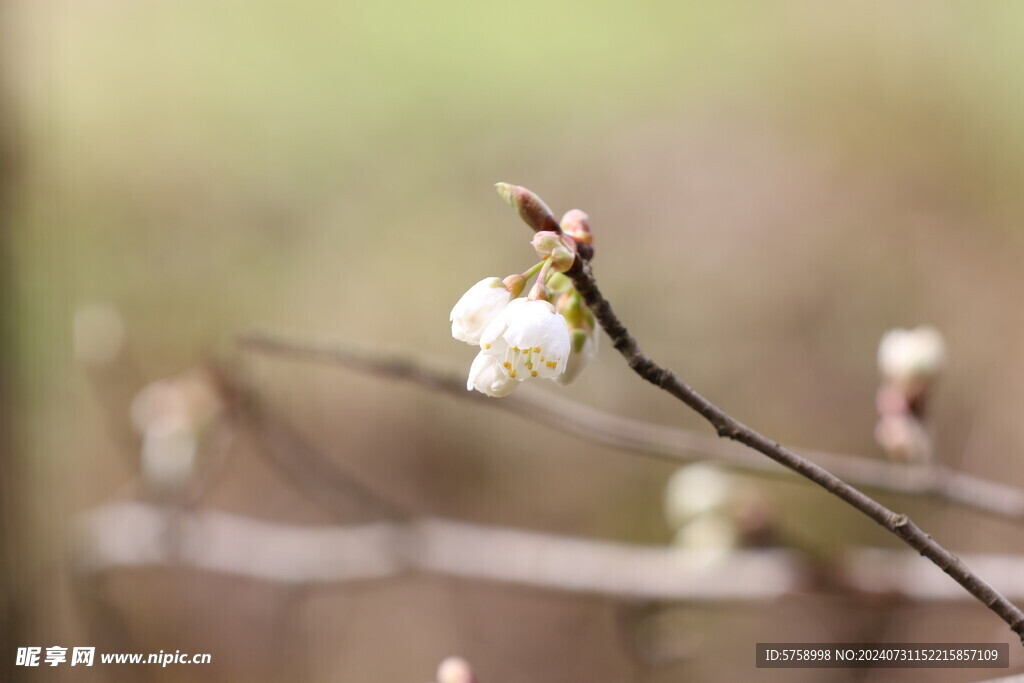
(729, 427)
(654, 440)
(139, 535)
(129, 534)
(299, 461)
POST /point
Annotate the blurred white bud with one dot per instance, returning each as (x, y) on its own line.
(455, 670)
(903, 437)
(694, 490)
(708, 532)
(184, 403)
(169, 458)
(908, 356)
(97, 333)
(171, 415)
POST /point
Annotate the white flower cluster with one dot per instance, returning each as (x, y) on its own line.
(519, 339)
(523, 338)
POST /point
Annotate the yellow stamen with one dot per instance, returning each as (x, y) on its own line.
(551, 364)
(533, 373)
(512, 374)
(508, 366)
(487, 346)
(536, 349)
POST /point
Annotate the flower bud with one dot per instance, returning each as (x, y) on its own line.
(577, 340)
(168, 459)
(560, 284)
(539, 291)
(171, 415)
(545, 241)
(455, 670)
(910, 361)
(582, 335)
(696, 490)
(530, 207)
(562, 259)
(560, 248)
(575, 312)
(574, 224)
(514, 284)
(713, 534)
(909, 355)
(188, 402)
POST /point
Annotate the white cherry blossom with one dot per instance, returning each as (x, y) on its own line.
(477, 308)
(529, 338)
(487, 376)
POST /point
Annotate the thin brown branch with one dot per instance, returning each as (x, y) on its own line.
(729, 427)
(654, 440)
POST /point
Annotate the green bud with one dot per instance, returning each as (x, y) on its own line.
(530, 207)
(545, 241)
(577, 316)
(560, 284)
(562, 259)
(560, 248)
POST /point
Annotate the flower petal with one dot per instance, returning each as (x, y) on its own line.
(487, 376)
(477, 308)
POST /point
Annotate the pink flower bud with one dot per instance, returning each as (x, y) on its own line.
(530, 207)
(575, 225)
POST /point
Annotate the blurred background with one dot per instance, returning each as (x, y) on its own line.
(770, 187)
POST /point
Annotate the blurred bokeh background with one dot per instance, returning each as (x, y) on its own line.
(771, 186)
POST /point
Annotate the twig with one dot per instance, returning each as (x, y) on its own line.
(654, 440)
(324, 479)
(728, 427)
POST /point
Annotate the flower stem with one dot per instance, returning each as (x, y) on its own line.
(539, 292)
(534, 269)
